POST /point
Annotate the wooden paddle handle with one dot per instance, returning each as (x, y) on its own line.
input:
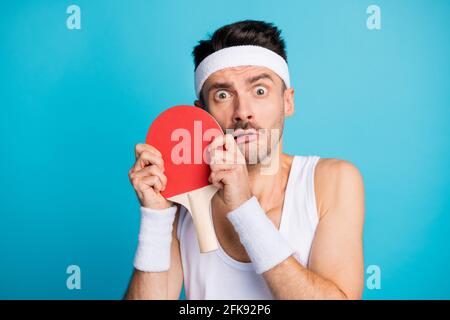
(200, 202)
(204, 227)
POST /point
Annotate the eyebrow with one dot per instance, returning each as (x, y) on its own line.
(220, 85)
(259, 77)
(227, 85)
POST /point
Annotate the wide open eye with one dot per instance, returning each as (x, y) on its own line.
(222, 95)
(260, 91)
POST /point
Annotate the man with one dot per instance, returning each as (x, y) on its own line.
(290, 233)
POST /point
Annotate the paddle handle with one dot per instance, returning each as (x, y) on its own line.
(198, 203)
(206, 236)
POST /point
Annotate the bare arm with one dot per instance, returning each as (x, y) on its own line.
(336, 267)
(159, 285)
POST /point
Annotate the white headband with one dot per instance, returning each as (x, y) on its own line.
(240, 56)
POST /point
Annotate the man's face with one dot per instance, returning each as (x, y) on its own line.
(251, 102)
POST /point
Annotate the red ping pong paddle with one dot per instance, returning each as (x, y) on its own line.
(182, 134)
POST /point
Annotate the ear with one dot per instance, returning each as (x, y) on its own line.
(197, 103)
(289, 107)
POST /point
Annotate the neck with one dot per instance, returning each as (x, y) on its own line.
(268, 179)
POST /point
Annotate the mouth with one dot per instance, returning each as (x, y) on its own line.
(244, 136)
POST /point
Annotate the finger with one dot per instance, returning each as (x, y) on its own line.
(148, 158)
(152, 181)
(221, 167)
(223, 157)
(221, 161)
(221, 177)
(152, 170)
(226, 140)
(216, 179)
(141, 147)
(230, 143)
(218, 141)
(230, 146)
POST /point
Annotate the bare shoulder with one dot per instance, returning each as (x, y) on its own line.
(336, 182)
(336, 169)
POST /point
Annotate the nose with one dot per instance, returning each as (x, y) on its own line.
(243, 111)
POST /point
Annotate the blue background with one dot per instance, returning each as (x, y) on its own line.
(74, 102)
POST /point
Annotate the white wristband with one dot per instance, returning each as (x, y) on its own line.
(264, 244)
(155, 238)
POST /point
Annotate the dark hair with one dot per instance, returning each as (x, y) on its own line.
(247, 32)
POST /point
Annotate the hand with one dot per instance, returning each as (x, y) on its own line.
(147, 177)
(229, 171)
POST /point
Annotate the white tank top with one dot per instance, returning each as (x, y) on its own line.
(215, 275)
